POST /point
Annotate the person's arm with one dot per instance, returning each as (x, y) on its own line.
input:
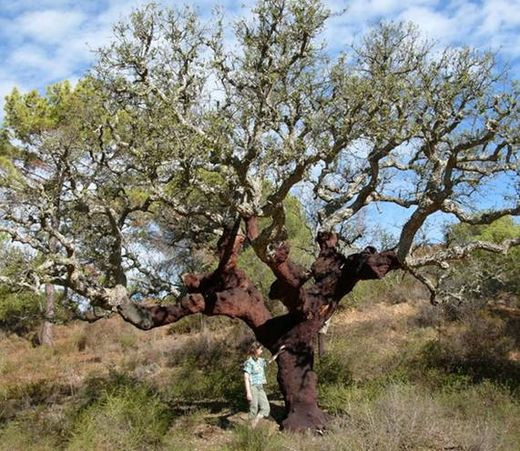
(247, 382)
(274, 357)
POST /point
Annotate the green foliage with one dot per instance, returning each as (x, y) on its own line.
(395, 288)
(124, 416)
(493, 273)
(495, 232)
(332, 369)
(20, 312)
(192, 323)
(208, 368)
(199, 323)
(32, 114)
(300, 240)
(478, 347)
(9, 175)
(20, 309)
(35, 431)
(128, 341)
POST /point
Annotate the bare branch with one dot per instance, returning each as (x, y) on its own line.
(441, 257)
(449, 206)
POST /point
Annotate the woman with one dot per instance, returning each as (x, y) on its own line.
(254, 379)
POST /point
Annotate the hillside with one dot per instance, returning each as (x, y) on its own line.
(395, 376)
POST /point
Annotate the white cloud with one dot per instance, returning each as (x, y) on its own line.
(500, 15)
(49, 26)
(48, 40)
(499, 28)
(16, 6)
(434, 24)
(34, 63)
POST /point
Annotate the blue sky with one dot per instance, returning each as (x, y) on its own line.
(44, 41)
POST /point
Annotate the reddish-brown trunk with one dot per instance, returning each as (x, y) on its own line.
(298, 381)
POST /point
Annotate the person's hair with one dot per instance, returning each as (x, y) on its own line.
(252, 348)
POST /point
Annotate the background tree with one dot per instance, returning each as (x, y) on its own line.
(176, 137)
(20, 308)
(482, 275)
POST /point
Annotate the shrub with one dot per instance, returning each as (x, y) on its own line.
(19, 313)
(427, 315)
(490, 273)
(128, 341)
(334, 398)
(125, 416)
(332, 369)
(478, 347)
(199, 323)
(41, 427)
(262, 438)
(395, 288)
(206, 366)
(25, 435)
(187, 325)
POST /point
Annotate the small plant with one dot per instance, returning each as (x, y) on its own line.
(477, 347)
(261, 438)
(81, 341)
(128, 341)
(333, 369)
(20, 313)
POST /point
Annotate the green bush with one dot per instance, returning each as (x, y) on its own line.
(27, 434)
(125, 416)
(211, 367)
(41, 424)
(332, 369)
(477, 347)
(394, 288)
(20, 313)
(488, 274)
(128, 341)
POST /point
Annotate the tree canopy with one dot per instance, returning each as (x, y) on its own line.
(177, 125)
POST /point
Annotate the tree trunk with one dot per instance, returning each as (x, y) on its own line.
(296, 376)
(298, 383)
(46, 337)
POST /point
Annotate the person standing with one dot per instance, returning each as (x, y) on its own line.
(254, 380)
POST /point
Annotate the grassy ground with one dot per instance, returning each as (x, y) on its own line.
(395, 377)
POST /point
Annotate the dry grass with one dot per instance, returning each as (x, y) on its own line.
(375, 340)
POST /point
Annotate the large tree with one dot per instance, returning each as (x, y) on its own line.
(186, 138)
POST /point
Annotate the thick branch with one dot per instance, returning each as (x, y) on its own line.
(226, 291)
(482, 218)
(459, 252)
(290, 276)
(147, 317)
